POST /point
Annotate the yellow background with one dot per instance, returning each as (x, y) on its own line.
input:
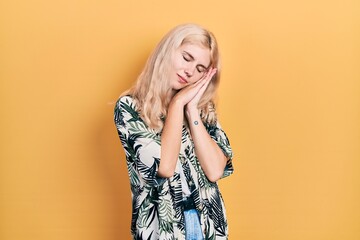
(289, 101)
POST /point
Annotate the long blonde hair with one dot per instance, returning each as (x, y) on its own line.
(152, 92)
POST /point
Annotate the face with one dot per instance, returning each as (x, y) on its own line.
(190, 63)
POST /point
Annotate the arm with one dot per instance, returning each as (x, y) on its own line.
(211, 144)
(172, 130)
(211, 157)
(142, 145)
(171, 139)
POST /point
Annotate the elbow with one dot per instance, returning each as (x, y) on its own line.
(215, 176)
(217, 172)
(166, 173)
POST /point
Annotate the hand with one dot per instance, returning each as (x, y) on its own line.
(193, 103)
(185, 95)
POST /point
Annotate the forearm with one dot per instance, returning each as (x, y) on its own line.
(171, 139)
(209, 154)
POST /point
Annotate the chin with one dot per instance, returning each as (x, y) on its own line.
(178, 87)
(175, 90)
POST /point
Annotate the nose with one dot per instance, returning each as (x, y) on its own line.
(189, 71)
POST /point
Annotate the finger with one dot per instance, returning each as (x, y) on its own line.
(202, 89)
(206, 75)
(208, 80)
(211, 73)
(197, 85)
(200, 84)
(192, 90)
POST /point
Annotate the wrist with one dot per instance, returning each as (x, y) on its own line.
(176, 103)
(192, 114)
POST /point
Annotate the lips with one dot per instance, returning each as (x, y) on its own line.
(182, 80)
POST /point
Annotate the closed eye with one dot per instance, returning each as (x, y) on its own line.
(201, 69)
(186, 58)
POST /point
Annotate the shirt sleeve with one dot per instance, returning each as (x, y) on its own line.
(219, 136)
(141, 144)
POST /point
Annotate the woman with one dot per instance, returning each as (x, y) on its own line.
(175, 148)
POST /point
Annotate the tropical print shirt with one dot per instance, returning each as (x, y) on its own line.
(157, 209)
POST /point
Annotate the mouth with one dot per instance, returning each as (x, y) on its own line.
(182, 80)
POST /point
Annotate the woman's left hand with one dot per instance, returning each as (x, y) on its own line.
(193, 103)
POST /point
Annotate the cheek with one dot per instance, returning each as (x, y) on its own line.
(178, 62)
(174, 63)
(200, 75)
(196, 78)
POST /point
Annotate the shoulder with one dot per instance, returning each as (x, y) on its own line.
(126, 99)
(126, 109)
(125, 103)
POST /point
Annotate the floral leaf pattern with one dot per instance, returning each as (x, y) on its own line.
(157, 211)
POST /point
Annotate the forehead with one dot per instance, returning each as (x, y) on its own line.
(199, 52)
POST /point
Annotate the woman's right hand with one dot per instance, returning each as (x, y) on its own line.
(185, 95)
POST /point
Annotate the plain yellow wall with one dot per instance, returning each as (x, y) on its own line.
(289, 101)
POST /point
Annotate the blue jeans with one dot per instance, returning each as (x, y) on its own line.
(192, 225)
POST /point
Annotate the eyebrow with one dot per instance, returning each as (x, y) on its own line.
(192, 58)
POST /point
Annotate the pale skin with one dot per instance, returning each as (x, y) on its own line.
(191, 81)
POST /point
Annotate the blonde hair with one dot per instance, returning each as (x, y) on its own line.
(152, 92)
